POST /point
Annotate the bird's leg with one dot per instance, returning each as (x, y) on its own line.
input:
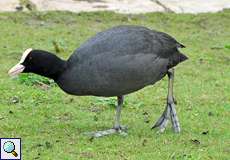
(170, 110)
(171, 103)
(117, 128)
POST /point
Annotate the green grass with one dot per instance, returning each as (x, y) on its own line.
(51, 123)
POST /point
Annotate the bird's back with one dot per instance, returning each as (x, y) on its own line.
(119, 61)
(130, 40)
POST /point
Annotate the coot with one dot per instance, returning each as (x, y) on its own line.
(115, 62)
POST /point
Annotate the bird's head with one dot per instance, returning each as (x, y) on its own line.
(38, 62)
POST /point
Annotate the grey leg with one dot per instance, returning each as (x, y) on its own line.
(120, 100)
(170, 110)
(117, 127)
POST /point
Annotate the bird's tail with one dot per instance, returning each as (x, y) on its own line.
(176, 58)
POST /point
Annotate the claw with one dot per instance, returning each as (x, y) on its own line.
(163, 120)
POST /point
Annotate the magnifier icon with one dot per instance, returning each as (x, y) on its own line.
(9, 147)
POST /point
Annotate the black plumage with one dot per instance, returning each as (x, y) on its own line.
(119, 61)
(115, 62)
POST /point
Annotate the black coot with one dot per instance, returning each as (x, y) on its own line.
(115, 62)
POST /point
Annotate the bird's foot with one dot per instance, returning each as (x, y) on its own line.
(169, 113)
(162, 122)
(174, 118)
(122, 130)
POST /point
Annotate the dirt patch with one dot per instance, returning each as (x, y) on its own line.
(120, 6)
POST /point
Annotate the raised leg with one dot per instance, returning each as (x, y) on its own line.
(117, 128)
(170, 109)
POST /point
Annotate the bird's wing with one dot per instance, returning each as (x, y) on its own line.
(128, 40)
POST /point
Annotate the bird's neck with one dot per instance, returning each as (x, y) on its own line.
(49, 65)
(54, 70)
